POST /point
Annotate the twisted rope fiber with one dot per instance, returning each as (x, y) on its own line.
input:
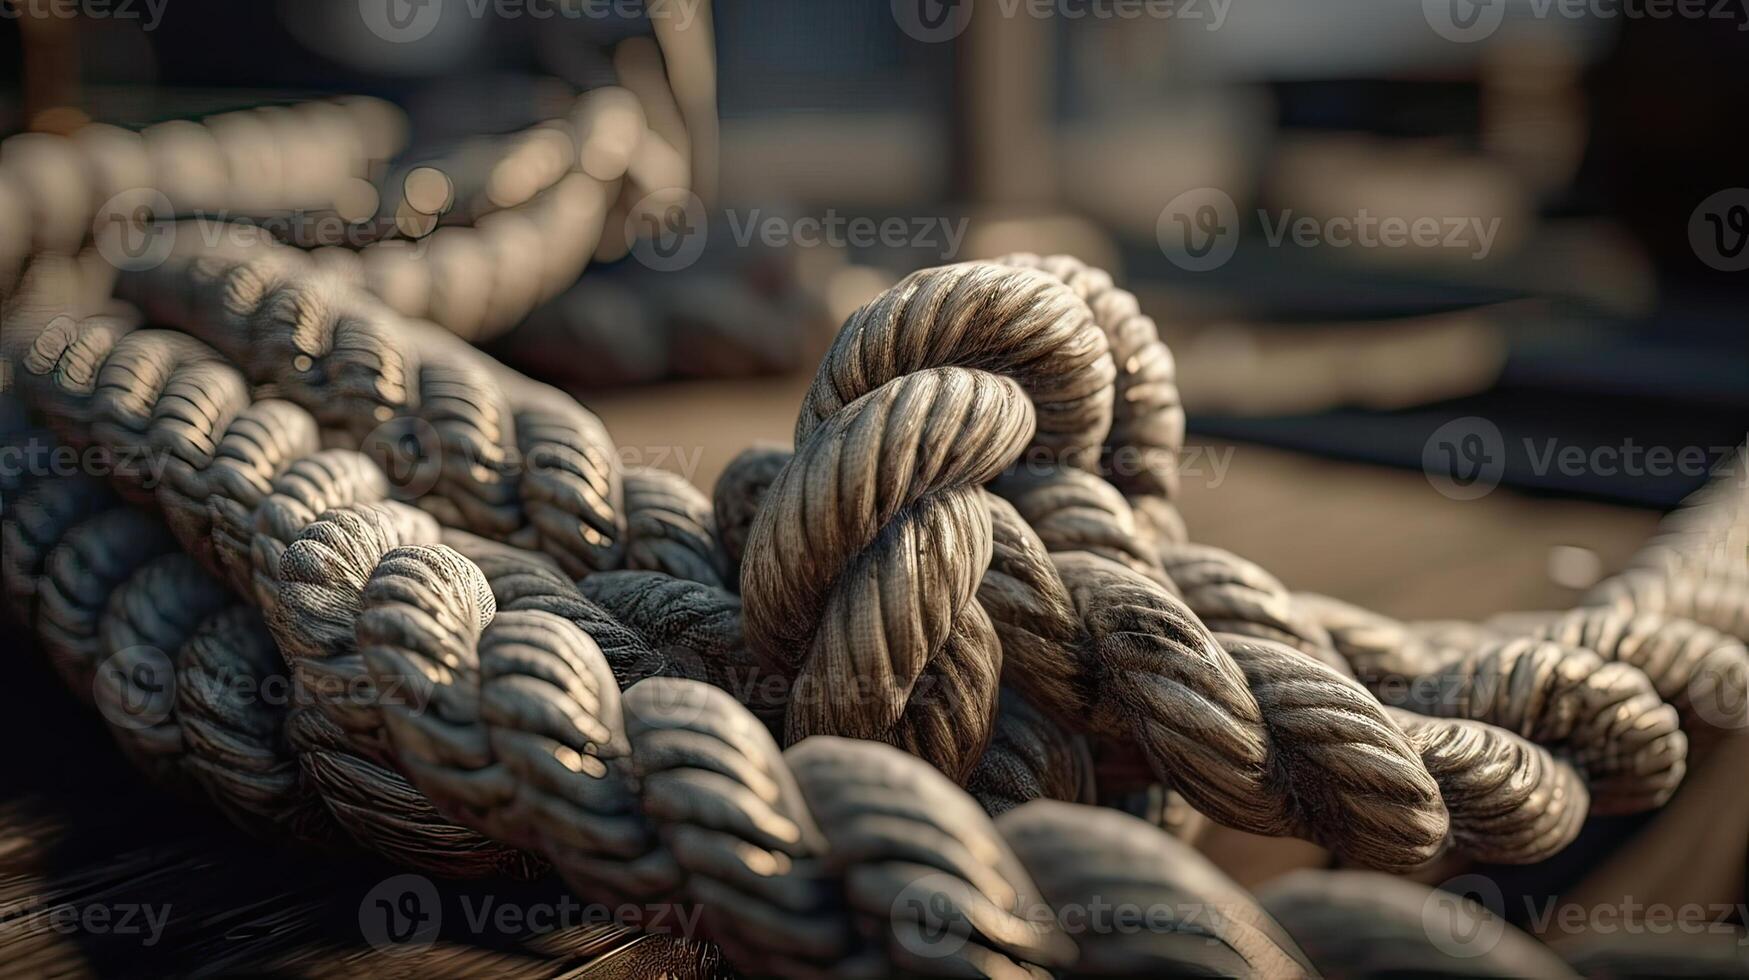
(341, 753)
(1698, 672)
(1697, 566)
(538, 212)
(542, 203)
(225, 732)
(310, 492)
(825, 860)
(1263, 604)
(884, 471)
(63, 343)
(1140, 455)
(501, 455)
(365, 559)
(1709, 531)
(255, 161)
(237, 727)
(936, 857)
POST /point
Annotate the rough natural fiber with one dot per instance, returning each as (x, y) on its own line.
(1357, 926)
(1699, 673)
(441, 671)
(482, 448)
(862, 566)
(1140, 455)
(310, 572)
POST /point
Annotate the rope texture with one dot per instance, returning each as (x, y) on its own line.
(322, 660)
(450, 668)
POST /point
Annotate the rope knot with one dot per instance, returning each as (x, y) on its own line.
(862, 567)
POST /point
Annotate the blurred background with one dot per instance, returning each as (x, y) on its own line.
(1456, 288)
(1354, 221)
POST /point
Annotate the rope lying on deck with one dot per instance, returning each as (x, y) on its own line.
(521, 215)
(1624, 628)
(251, 162)
(505, 678)
(1174, 694)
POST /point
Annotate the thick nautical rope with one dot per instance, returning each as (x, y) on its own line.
(255, 469)
(404, 755)
(844, 579)
(697, 784)
(250, 162)
(481, 279)
(536, 204)
(235, 723)
(523, 215)
(837, 857)
(1360, 925)
(188, 677)
(1140, 455)
(1606, 717)
(1177, 758)
(501, 455)
(1697, 567)
(862, 566)
(1702, 674)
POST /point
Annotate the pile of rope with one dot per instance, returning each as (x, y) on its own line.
(474, 238)
(500, 225)
(54, 190)
(500, 652)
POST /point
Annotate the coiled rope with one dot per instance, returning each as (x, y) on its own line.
(1101, 608)
(510, 721)
(254, 162)
(1627, 622)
